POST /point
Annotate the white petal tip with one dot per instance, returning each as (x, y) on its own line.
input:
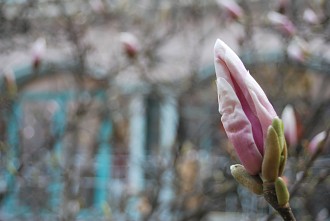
(219, 45)
(220, 49)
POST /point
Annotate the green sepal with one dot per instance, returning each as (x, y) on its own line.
(282, 192)
(253, 183)
(279, 128)
(271, 160)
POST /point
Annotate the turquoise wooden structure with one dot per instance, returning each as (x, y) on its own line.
(12, 208)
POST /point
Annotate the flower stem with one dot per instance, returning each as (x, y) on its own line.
(270, 196)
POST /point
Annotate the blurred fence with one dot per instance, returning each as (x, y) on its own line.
(64, 152)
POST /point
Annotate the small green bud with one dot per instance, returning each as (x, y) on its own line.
(253, 183)
(271, 161)
(282, 192)
(279, 128)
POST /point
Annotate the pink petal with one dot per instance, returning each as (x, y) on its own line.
(252, 85)
(264, 110)
(254, 121)
(227, 56)
(238, 127)
(234, 68)
(265, 118)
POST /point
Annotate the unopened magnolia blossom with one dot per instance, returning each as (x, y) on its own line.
(290, 125)
(282, 23)
(38, 50)
(246, 111)
(298, 50)
(233, 9)
(314, 143)
(131, 44)
(310, 17)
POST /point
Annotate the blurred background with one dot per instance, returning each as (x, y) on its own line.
(108, 108)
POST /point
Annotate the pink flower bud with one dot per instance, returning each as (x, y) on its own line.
(314, 144)
(130, 44)
(282, 23)
(310, 17)
(290, 125)
(232, 8)
(298, 50)
(38, 51)
(246, 111)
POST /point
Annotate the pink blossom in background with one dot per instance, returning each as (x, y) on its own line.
(310, 17)
(231, 7)
(298, 50)
(246, 111)
(130, 43)
(290, 125)
(313, 144)
(38, 51)
(282, 23)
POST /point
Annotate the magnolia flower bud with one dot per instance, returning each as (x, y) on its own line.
(316, 141)
(231, 7)
(246, 111)
(38, 51)
(130, 44)
(290, 125)
(282, 23)
(298, 50)
(310, 17)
